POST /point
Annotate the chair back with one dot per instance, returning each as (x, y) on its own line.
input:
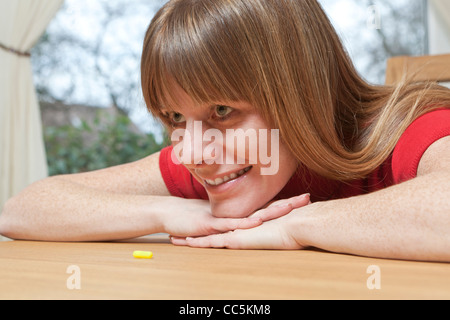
(418, 69)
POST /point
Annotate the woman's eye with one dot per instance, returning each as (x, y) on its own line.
(177, 118)
(223, 111)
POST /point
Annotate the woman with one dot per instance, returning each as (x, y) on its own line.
(362, 169)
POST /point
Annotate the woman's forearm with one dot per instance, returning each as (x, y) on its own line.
(56, 209)
(408, 221)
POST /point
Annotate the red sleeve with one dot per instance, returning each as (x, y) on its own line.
(419, 136)
(178, 179)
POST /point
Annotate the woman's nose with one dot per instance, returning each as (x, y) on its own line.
(194, 142)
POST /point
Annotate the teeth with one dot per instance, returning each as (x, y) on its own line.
(232, 176)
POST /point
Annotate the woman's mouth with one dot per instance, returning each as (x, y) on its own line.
(233, 176)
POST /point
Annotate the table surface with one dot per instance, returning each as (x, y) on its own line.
(41, 270)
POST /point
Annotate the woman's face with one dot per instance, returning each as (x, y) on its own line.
(232, 152)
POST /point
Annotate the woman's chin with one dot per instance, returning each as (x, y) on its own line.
(234, 208)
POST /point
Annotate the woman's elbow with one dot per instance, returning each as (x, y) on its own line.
(4, 228)
(7, 218)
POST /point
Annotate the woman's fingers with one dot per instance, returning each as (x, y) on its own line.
(283, 207)
(213, 241)
(221, 225)
(178, 241)
(274, 212)
(297, 202)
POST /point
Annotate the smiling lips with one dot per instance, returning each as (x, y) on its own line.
(220, 181)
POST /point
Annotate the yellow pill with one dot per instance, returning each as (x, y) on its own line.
(143, 254)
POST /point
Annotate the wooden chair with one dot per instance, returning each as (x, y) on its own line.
(419, 69)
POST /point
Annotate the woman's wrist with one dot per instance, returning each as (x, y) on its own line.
(184, 217)
(304, 222)
(158, 213)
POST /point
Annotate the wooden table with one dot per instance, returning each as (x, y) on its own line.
(40, 270)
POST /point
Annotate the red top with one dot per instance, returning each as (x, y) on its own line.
(400, 167)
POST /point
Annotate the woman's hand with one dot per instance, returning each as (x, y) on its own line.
(270, 212)
(196, 220)
(272, 234)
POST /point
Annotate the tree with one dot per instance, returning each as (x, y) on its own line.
(71, 149)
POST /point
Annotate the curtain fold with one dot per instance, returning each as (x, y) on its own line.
(22, 153)
(439, 26)
(443, 7)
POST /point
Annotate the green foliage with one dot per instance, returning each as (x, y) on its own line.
(107, 142)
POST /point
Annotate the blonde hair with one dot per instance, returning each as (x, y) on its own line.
(285, 58)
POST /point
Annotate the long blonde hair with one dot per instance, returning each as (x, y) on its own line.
(285, 58)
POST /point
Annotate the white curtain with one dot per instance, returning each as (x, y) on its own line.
(439, 26)
(22, 152)
(443, 7)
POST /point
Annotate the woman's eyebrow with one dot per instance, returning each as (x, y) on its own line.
(165, 110)
(164, 113)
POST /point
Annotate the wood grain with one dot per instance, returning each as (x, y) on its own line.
(37, 270)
